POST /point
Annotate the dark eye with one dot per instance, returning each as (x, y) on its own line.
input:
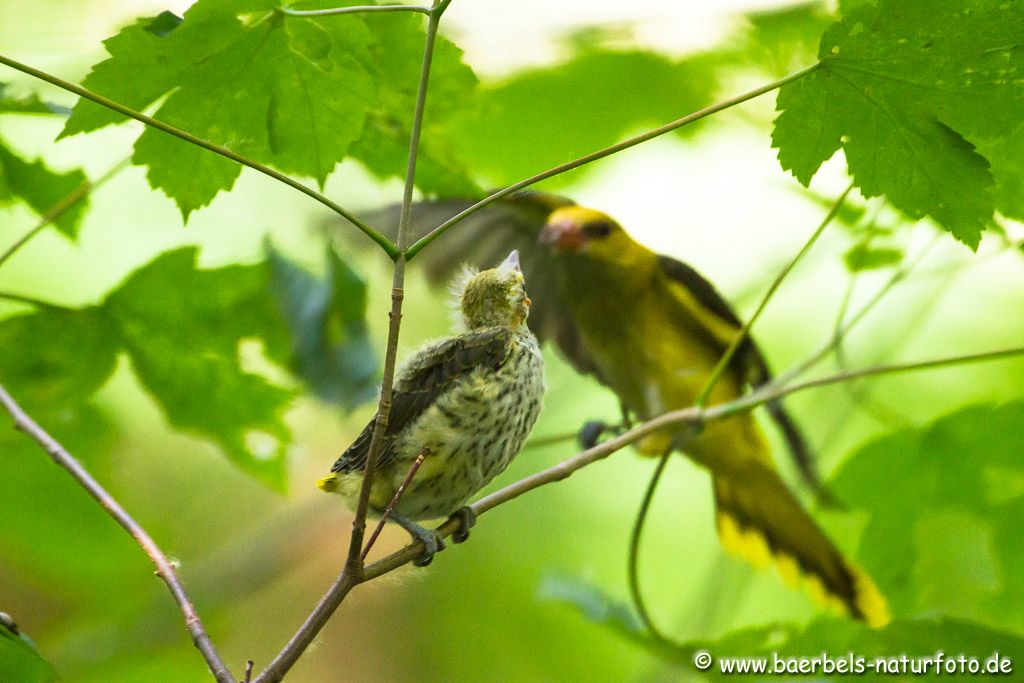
(597, 229)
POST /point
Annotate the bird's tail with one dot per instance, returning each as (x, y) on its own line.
(760, 520)
(328, 484)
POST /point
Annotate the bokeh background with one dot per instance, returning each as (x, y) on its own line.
(560, 79)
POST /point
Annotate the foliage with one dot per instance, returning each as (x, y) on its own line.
(32, 181)
(923, 98)
(182, 327)
(908, 100)
(299, 94)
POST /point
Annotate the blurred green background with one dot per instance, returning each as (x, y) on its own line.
(256, 561)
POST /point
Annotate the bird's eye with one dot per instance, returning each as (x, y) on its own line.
(597, 229)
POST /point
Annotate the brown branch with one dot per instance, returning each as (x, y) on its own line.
(164, 569)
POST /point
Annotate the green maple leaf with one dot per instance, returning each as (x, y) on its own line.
(286, 91)
(908, 89)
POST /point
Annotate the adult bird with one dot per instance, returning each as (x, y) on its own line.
(651, 328)
(467, 403)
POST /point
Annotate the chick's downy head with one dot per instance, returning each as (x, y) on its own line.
(495, 297)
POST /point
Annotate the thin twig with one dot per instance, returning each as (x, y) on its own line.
(355, 9)
(164, 567)
(842, 331)
(394, 501)
(744, 332)
(353, 571)
(62, 206)
(376, 236)
(600, 154)
(633, 565)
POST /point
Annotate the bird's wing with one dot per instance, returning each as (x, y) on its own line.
(485, 238)
(748, 362)
(425, 377)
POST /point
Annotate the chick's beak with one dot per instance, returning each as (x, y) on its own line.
(562, 236)
(512, 261)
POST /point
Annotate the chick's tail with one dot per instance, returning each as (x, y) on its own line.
(759, 520)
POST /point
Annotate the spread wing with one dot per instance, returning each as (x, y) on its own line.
(484, 239)
(748, 361)
(426, 376)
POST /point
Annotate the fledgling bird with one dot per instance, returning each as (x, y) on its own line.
(651, 329)
(468, 402)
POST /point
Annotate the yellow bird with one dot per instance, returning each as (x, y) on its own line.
(651, 329)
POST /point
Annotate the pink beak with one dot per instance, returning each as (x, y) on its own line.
(512, 260)
(562, 236)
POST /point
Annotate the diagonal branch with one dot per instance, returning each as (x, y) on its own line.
(602, 153)
(692, 416)
(164, 568)
(377, 237)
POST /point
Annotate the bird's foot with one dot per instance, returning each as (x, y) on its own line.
(592, 431)
(431, 540)
(467, 520)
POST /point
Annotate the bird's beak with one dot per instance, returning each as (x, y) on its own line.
(562, 235)
(512, 261)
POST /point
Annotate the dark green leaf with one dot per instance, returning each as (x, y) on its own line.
(383, 147)
(330, 344)
(905, 97)
(863, 256)
(182, 327)
(19, 659)
(40, 187)
(163, 24)
(57, 357)
(957, 491)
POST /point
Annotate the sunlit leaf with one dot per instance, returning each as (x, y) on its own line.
(182, 327)
(957, 490)
(549, 115)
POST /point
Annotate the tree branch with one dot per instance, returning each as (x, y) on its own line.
(377, 237)
(164, 569)
(600, 154)
(353, 571)
(744, 332)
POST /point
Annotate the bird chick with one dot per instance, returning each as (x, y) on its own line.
(467, 402)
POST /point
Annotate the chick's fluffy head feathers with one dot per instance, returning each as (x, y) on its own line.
(493, 298)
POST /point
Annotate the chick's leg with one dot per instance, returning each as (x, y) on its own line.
(432, 542)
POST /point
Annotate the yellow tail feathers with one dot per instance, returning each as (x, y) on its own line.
(329, 483)
(759, 520)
